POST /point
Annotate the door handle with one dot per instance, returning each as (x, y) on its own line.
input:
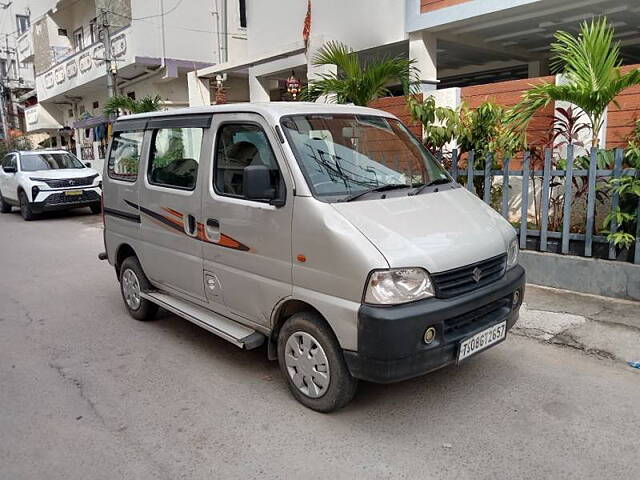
(190, 225)
(212, 229)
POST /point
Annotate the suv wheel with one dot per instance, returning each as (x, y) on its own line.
(96, 208)
(311, 360)
(133, 281)
(4, 207)
(25, 207)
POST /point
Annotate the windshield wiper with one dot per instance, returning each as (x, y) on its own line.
(381, 188)
(437, 181)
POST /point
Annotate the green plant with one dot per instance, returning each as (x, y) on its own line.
(119, 103)
(632, 154)
(591, 64)
(620, 238)
(487, 129)
(355, 81)
(625, 215)
(440, 124)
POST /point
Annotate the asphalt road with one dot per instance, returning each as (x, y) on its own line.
(88, 393)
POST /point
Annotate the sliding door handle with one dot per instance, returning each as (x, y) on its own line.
(212, 229)
(190, 225)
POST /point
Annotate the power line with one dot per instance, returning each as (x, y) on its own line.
(176, 27)
(172, 9)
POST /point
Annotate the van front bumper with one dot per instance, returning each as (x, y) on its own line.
(391, 344)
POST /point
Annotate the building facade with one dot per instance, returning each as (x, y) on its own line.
(17, 80)
(465, 50)
(154, 43)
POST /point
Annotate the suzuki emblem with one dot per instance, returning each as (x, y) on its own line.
(477, 274)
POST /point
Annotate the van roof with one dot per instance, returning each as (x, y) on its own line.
(272, 110)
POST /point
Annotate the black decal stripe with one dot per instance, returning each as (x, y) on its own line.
(156, 216)
(124, 215)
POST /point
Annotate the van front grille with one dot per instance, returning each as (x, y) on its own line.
(468, 278)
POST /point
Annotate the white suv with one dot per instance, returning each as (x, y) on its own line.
(44, 180)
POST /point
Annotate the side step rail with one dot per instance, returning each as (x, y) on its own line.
(240, 335)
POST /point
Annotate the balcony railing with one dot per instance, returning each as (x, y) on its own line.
(80, 66)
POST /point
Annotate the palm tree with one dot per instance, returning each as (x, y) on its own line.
(591, 64)
(353, 82)
(119, 103)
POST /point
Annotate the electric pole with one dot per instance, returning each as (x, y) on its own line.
(5, 128)
(108, 59)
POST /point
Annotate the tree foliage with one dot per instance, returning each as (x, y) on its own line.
(355, 81)
(121, 103)
(590, 63)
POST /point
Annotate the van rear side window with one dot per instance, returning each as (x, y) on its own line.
(125, 156)
(174, 157)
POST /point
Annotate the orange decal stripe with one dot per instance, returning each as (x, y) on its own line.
(173, 212)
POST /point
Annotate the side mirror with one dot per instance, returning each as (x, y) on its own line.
(256, 182)
(87, 164)
(10, 169)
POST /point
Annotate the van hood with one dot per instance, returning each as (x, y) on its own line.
(438, 231)
(63, 173)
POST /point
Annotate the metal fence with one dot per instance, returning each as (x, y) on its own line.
(547, 175)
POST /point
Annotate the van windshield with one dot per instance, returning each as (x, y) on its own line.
(344, 155)
(31, 162)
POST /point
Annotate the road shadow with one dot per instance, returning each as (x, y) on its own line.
(83, 215)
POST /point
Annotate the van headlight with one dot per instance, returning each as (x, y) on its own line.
(512, 254)
(398, 285)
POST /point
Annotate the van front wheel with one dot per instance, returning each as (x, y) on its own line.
(132, 283)
(311, 361)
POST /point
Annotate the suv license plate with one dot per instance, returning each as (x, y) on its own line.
(482, 340)
(73, 192)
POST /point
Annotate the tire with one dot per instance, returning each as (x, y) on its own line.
(131, 274)
(96, 208)
(301, 332)
(4, 207)
(25, 207)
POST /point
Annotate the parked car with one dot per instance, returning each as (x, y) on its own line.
(44, 180)
(327, 232)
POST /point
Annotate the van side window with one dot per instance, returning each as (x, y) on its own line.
(239, 146)
(125, 156)
(175, 154)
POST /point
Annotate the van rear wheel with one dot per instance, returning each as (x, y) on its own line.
(312, 362)
(133, 282)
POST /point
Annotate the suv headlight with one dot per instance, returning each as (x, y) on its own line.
(398, 285)
(512, 254)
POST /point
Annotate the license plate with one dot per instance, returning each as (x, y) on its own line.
(73, 192)
(482, 340)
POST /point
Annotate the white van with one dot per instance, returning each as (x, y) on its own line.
(327, 232)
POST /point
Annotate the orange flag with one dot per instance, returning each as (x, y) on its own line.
(306, 31)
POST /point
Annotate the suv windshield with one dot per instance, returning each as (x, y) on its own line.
(343, 155)
(31, 162)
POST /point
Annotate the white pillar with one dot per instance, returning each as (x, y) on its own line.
(258, 91)
(315, 71)
(199, 90)
(423, 48)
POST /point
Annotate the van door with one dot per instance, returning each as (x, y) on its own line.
(170, 203)
(248, 242)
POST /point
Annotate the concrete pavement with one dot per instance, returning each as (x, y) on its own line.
(87, 392)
